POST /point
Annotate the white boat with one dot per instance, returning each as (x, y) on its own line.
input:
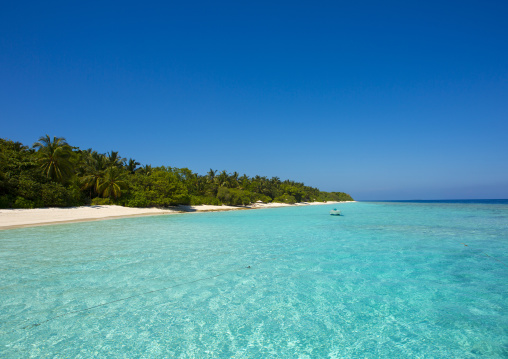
(335, 212)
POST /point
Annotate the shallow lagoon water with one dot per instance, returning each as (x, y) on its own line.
(398, 280)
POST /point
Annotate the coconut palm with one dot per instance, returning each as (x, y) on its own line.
(244, 181)
(200, 184)
(233, 180)
(275, 181)
(222, 179)
(146, 170)
(132, 165)
(54, 157)
(95, 165)
(113, 183)
(114, 160)
(211, 175)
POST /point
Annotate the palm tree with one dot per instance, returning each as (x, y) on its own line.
(54, 157)
(211, 181)
(115, 160)
(233, 180)
(145, 170)
(95, 165)
(211, 175)
(200, 184)
(222, 179)
(244, 181)
(131, 165)
(275, 180)
(113, 183)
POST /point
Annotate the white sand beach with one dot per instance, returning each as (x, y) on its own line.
(18, 218)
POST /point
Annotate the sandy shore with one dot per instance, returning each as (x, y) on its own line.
(18, 218)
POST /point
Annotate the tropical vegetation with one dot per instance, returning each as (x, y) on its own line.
(52, 173)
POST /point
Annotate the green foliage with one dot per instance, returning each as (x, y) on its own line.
(197, 200)
(162, 188)
(60, 175)
(293, 193)
(234, 197)
(132, 165)
(136, 199)
(54, 158)
(92, 171)
(5, 201)
(285, 198)
(334, 196)
(261, 197)
(56, 195)
(15, 162)
(113, 182)
(28, 187)
(114, 160)
(21, 202)
(101, 201)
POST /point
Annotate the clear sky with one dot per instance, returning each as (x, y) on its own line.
(379, 99)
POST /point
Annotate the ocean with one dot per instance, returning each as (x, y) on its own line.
(412, 279)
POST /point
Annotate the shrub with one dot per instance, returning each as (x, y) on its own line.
(55, 195)
(234, 197)
(161, 189)
(135, 199)
(28, 188)
(21, 202)
(335, 196)
(101, 201)
(197, 200)
(5, 201)
(261, 197)
(285, 198)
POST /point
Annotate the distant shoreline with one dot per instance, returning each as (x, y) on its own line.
(22, 218)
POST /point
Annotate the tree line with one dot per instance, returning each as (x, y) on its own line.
(51, 173)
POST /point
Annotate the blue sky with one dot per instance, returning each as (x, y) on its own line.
(383, 100)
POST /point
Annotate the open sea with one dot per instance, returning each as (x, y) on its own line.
(425, 279)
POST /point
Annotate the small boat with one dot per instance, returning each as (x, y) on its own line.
(335, 212)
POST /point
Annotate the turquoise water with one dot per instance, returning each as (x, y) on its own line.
(398, 280)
